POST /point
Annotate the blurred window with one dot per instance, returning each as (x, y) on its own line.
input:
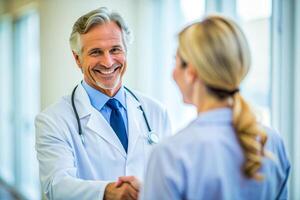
(26, 102)
(255, 19)
(6, 132)
(19, 102)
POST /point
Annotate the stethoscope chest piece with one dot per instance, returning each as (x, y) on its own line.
(153, 138)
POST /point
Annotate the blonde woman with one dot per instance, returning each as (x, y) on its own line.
(224, 153)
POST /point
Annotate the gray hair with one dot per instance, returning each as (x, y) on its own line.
(97, 17)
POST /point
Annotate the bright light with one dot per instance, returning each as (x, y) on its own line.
(192, 9)
(254, 9)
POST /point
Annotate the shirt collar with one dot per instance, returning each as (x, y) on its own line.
(220, 115)
(99, 99)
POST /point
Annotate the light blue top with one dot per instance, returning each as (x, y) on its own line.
(98, 101)
(203, 161)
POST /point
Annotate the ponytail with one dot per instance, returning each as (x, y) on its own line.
(251, 136)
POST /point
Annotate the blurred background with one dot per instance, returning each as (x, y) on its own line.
(37, 68)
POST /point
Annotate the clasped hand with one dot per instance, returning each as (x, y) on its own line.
(125, 188)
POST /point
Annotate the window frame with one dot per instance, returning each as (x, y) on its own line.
(285, 45)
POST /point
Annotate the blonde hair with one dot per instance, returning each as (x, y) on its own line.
(218, 49)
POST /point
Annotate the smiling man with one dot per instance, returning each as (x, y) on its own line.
(102, 57)
(95, 143)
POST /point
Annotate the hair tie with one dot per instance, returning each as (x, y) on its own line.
(222, 93)
(233, 92)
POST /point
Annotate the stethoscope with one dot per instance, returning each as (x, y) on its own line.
(151, 136)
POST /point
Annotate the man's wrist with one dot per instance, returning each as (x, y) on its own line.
(104, 189)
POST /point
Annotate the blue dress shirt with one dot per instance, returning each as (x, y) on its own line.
(203, 161)
(98, 101)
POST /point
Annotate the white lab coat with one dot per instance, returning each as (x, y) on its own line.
(70, 169)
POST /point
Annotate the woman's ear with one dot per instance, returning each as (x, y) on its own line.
(190, 73)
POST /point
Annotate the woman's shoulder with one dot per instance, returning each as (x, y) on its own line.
(274, 138)
(275, 144)
(195, 137)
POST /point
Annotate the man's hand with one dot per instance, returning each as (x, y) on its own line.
(123, 191)
(133, 181)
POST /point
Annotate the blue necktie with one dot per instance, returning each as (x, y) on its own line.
(117, 123)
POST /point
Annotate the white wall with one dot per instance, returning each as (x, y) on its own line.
(59, 73)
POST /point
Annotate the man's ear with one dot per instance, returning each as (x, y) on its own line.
(77, 59)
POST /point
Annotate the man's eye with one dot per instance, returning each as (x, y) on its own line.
(116, 50)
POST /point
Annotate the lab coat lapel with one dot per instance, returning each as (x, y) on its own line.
(135, 117)
(99, 125)
(96, 122)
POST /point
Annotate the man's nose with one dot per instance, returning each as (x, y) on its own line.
(107, 60)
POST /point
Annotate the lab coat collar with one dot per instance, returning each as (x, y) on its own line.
(82, 102)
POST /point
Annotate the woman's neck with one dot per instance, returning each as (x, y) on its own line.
(208, 102)
(204, 101)
(211, 106)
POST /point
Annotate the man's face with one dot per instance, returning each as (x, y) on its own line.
(103, 58)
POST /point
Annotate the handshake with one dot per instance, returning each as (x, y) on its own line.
(126, 188)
